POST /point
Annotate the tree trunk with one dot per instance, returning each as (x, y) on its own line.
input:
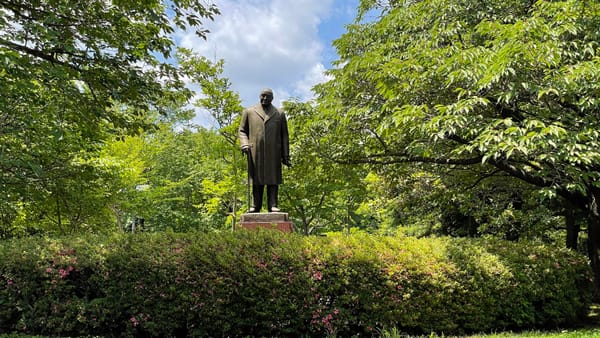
(593, 243)
(573, 227)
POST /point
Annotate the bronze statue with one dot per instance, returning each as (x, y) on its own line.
(264, 138)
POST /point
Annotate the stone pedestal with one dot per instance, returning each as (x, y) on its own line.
(272, 220)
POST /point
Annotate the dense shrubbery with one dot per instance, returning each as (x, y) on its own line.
(269, 284)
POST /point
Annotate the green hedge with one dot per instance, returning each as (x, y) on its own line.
(270, 284)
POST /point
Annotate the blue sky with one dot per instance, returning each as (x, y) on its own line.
(281, 44)
(333, 26)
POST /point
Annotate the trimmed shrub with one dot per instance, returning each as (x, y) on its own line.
(266, 283)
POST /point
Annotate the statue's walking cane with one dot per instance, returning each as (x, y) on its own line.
(249, 156)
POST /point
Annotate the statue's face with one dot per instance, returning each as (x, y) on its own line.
(266, 99)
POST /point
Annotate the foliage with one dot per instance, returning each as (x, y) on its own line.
(187, 176)
(223, 104)
(474, 92)
(224, 107)
(418, 202)
(320, 194)
(269, 284)
(74, 74)
(169, 177)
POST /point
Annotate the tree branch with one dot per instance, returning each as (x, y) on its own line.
(17, 8)
(38, 54)
(519, 173)
(394, 158)
(483, 177)
(379, 139)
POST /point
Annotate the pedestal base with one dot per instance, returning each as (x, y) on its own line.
(272, 220)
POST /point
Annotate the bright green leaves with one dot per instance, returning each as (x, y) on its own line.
(529, 141)
(173, 179)
(320, 194)
(191, 13)
(110, 48)
(511, 81)
(223, 190)
(473, 94)
(74, 74)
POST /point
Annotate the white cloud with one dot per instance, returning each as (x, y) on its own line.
(266, 43)
(315, 75)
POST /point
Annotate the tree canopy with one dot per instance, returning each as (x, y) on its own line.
(75, 74)
(497, 88)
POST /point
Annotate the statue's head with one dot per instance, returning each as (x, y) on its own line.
(266, 97)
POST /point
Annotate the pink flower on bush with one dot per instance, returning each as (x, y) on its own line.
(49, 270)
(134, 321)
(261, 265)
(315, 316)
(10, 282)
(62, 273)
(317, 275)
(327, 319)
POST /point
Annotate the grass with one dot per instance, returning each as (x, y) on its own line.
(562, 334)
(575, 333)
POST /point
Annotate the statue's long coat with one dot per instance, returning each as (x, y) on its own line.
(266, 132)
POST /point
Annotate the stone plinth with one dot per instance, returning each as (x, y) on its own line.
(272, 220)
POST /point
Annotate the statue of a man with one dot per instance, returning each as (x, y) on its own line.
(263, 137)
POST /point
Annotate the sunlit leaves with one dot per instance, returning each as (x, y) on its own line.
(319, 194)
(493, 90)
(513, 81)
(75, 74)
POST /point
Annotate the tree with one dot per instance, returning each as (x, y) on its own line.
(318, 192)
(73, 74)
(169, 178)
(90, 54)
(506, 88)
(224, 106)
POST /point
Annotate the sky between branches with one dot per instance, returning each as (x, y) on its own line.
(281, 44)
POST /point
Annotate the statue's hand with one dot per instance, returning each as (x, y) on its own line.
(287, 162)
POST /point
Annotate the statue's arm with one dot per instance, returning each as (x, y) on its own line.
(244, 131)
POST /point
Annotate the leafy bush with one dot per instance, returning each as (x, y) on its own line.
(266, 283)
